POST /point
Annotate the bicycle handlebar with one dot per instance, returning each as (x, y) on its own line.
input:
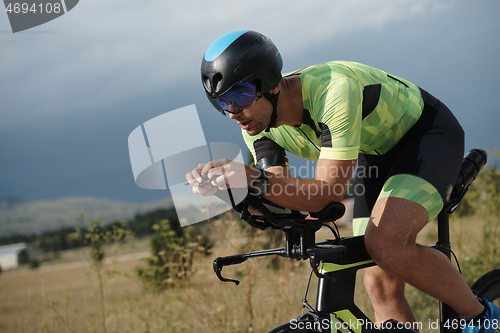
(299, 230)
(230, 260)
(220, 262)
(325, 254)
(316, 254)
(472, 163)
(331, 212)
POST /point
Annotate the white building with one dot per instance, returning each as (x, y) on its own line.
(11, 256)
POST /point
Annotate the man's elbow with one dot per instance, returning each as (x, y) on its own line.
(326, 195)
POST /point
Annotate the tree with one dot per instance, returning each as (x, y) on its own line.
(172, 254)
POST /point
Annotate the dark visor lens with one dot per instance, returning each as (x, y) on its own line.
(240, 96)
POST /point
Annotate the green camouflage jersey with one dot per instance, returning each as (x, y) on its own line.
(349, 108)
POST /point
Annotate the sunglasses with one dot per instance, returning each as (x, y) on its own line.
(240, 96)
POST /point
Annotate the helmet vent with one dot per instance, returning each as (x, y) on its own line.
(206, 83)
(217, 82)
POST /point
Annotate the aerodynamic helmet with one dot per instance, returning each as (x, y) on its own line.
(238, 66)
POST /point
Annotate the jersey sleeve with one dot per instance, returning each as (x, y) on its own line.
(265, 152)
(341, 119)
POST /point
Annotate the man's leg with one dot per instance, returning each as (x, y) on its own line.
(387, 296)
(390, 239)
(385, 291)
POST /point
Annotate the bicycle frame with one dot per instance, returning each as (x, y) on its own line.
(444, 245)
(340, 301)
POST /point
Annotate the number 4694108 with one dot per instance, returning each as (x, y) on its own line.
(24, 8)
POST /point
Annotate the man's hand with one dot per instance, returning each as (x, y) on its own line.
(216, 175)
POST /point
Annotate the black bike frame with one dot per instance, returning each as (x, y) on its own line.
(332, 299)
(444, 245)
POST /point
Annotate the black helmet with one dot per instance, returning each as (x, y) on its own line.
(240, 56)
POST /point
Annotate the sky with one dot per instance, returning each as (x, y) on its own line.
(73, 89)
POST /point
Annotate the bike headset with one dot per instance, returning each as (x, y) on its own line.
(240, 67)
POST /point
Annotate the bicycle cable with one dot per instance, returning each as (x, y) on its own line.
(456, 260)
(304, 300)
(335, 232)
(438, 247)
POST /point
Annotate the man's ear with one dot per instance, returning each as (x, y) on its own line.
(276, 89)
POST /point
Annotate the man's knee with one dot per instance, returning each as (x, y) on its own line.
(385, 248)
(392, 230)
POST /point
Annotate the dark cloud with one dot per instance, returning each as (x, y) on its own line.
(69, 99)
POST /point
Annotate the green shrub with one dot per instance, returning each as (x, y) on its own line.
(172, 253)
(34, 264)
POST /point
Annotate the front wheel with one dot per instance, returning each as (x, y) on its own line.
(488, 286)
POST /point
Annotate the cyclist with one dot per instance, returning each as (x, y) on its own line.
(407, 145)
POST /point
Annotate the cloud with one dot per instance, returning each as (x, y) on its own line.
(103, 52)
(71, 89)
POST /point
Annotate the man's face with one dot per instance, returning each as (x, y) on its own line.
(255, 118)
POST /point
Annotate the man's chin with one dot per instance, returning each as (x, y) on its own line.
(254, 132)
(254, 128)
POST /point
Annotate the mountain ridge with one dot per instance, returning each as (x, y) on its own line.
(38, 216)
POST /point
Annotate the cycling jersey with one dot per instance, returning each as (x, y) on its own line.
(353, 110)
(348, 108)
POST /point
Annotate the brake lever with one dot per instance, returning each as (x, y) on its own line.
(220, 262)
(223, 279)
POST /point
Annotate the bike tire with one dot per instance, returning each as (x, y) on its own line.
(488, 286)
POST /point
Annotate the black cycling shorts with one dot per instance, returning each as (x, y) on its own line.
(422, 167)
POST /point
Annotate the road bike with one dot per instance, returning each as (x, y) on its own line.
(335, 262)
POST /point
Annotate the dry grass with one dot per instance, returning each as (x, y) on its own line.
(25, 295)
(64, 299)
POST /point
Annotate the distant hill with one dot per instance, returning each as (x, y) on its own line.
(34, 217)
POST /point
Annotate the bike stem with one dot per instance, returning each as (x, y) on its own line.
(443, 243)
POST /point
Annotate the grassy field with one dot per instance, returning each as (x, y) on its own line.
(29, 297)
(64, 296)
